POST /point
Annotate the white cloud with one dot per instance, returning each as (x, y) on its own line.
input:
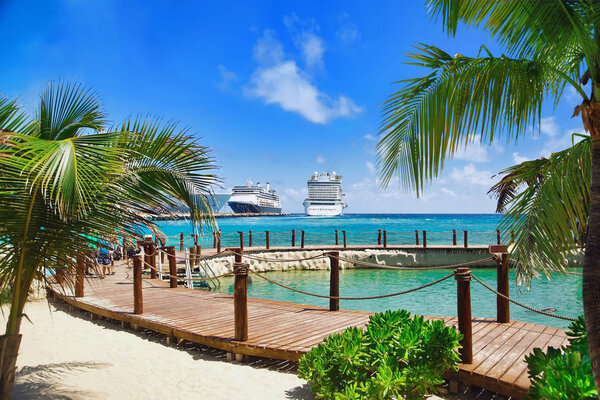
(320, 159)
(561, 142)
(312, 49)
(518, 159)
(227, 77)
(474, 151)
(548, 126)
(347, 32)
(472, 175)
(280, 81)
(368, 136)
(370, 167)
(448, 192)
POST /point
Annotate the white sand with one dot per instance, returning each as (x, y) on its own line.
(67, 356)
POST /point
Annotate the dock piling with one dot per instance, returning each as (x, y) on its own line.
(417, 237)
(219, 242)
(198, 254)
(79, 276)
(293, 237)
(344, 235)
(214, 240)
(501, 255)
(463, 305)
(466, 234)
(384, 238)
(268, 245)
(241, 240)
(334, 280)
(379, 237)
(454, 237)
(497, 236)
(302, 239)
(172, 266)
(337, 242)
(138, 303)
(424, 238)
(240, 299)
(181, 246)
(250, 238)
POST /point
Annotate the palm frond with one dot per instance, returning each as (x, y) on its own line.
(460, 97)
(549, 216)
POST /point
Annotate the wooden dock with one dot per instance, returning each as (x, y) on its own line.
(283, 330)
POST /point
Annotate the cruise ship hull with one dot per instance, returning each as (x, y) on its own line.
(242, 207)
(325, 209)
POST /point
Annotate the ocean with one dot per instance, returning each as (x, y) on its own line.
(360, 229)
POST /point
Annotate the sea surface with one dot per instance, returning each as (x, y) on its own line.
(360, 229)
(561, 294)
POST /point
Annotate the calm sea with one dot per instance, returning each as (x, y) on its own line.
(360, 228)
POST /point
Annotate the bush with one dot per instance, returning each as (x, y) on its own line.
(397, 355)
(565, 373)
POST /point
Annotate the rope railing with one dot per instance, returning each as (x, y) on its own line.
(384, 266)
(186, 279)
(353, 298)
(521, 304)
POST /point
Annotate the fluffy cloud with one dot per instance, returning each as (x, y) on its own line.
(370, 167)
(227, 77)
(448, 192)
(312, 49)
(347, 32)
(474, 151)
(518, 159)
(472, 175)
(549, 126)
(281, 81)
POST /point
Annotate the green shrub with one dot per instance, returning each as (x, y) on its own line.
(565, 373)
(397, 355)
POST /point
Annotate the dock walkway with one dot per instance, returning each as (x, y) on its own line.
(283, 330)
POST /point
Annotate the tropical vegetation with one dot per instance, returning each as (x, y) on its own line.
(549, 46)
(396, 356)
(69, 177)
(565, 373)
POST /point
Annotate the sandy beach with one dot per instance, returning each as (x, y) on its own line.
(64, 355)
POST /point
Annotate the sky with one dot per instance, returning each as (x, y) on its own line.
(277, 89)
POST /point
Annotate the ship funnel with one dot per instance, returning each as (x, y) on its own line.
(268, 186)
(258, 184)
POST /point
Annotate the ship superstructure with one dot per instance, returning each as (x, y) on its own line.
(325, 195)
(254, 199)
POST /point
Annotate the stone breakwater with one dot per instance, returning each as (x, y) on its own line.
(428, 257)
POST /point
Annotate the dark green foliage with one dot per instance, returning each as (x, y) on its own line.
(565, 373)
(398, 355)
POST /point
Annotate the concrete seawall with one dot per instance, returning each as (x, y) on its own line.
(409, 257)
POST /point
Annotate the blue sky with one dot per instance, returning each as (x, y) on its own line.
(277, 89)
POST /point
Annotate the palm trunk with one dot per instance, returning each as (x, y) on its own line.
(9, 349)
(591, 267)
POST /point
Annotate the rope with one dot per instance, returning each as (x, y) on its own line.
(373, 265)
(186, 279)
(352, 298)
(521, 304)
(280, 259)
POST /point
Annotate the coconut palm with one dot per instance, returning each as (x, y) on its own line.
(67, 177)
(549, 45)
(546, 208)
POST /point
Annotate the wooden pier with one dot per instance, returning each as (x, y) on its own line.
(283, 330)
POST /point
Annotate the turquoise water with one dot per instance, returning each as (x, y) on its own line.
(562, 292)
(361, 229)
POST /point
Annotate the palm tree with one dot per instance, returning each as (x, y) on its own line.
(546, 208)
(67, 177)
(549, 45)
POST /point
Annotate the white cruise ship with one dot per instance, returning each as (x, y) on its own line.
(324, 195)
(254, 199)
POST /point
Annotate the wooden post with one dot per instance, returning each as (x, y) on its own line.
(249, 238)
(198, 254)
(124, 249)
(192, 256)
(417, 237)
(384, 238)
(195, 240)
(219, 241)
(241, 240)
(214, 240)
(181, 242)
(502, 304)
(497, 236)
(466, 233)
(344, 235)
(379, 237)
(293, 237)
(424, 238)
(240, 300)
(172, 266)
(138, 303)
(153, 273)
(454, 237)
(337, 242)
(463, 303)
(79, 276)
(267, 240)
(302, 240)
(334, 280)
